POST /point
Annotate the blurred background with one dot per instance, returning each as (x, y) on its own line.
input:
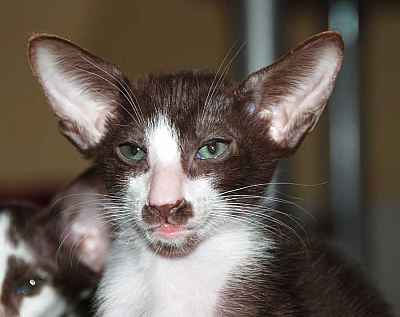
(346, 173)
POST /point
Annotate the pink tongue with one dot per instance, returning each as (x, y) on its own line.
(169, 230)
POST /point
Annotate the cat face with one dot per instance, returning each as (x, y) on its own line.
(171, 166)
(187, 154)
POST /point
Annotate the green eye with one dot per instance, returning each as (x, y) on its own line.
(212, 150)
(131, 152)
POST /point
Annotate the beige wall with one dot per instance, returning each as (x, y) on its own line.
(380, 55)
(381, 101)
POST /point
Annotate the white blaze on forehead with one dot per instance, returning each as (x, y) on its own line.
(7, 248)
(163, 143)
(167, 177)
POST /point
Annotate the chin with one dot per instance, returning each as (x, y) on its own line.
(179, 246)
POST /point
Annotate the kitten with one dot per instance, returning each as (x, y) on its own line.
(52, 258)
(186, 158)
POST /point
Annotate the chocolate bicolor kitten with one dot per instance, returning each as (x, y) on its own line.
(51, 259)
(186, 159)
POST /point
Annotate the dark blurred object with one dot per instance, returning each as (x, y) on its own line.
(39, 196)
(346, 180)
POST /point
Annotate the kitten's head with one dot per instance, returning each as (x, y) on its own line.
(187, 154)
(26, 288)
(51, 258)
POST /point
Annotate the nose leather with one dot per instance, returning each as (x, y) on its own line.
(166, 210)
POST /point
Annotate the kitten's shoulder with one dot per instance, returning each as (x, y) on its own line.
(332, 285)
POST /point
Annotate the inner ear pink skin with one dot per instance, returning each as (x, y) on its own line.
(166, 185)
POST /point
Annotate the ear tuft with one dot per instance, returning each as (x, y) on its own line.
(82, 89)
(290, 95)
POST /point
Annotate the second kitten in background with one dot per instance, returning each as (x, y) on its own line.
(51, 259)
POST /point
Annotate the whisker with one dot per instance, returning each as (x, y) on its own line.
(228, 53)
(267, 199)
(225, 70)
(61, 198)
(130, 94)
(263, 208)
(114, 85)
(253, 210)
(252, 222)
(272, 183)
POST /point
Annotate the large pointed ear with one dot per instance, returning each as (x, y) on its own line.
(289, 96)
(83, 90)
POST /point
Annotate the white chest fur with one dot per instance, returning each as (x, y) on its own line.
(148, 285)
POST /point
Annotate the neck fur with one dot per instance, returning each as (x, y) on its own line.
(138, 282)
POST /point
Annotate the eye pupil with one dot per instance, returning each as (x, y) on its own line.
(130, 153)
(30, 287)
(134, 150)
(212, 148)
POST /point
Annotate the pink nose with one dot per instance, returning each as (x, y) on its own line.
(166, 187)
